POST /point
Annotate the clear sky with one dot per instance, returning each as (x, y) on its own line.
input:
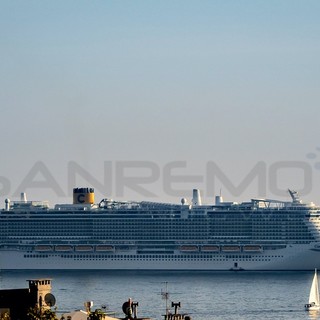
(145, 99)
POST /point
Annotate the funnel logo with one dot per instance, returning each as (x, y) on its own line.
(80, 198)
(83, 196)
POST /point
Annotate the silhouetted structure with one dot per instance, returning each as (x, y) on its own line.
(16, 303)
(176, 315)
(130, 309)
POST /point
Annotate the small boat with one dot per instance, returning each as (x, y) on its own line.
(63, 248)
(314, 302)
(210, 248)
(189, 248)
(252, 249)
(104, 248)
(84, 248)
(231, 248)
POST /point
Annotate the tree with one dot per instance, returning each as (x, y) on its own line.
(98, 314)
(37, 314)
(5, 316)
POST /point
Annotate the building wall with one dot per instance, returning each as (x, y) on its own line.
(17, 302)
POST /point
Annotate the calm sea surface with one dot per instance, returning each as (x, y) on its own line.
(204, 295)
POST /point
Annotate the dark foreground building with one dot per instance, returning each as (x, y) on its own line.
(16, 303)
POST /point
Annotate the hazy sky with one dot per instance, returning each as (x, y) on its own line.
(161, 95)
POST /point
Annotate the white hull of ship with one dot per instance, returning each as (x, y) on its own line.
(293, 257)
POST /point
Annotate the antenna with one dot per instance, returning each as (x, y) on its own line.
(295, 196)
(135, 309)
(175, 305)
(88, 305)
(165, 296)
(127, 308)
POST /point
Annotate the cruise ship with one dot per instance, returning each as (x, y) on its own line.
(260, 234)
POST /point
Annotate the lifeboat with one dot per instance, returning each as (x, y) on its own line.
(63, 248)
(84, 248)
(210, 248)
(189, 248)
(104, 248)
(231, 248)
(43, 248)
(252, 248)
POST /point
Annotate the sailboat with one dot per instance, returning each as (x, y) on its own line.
(314, 302)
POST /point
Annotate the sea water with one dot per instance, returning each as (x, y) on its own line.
(203, 295)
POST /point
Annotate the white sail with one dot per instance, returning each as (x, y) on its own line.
(314, 291)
